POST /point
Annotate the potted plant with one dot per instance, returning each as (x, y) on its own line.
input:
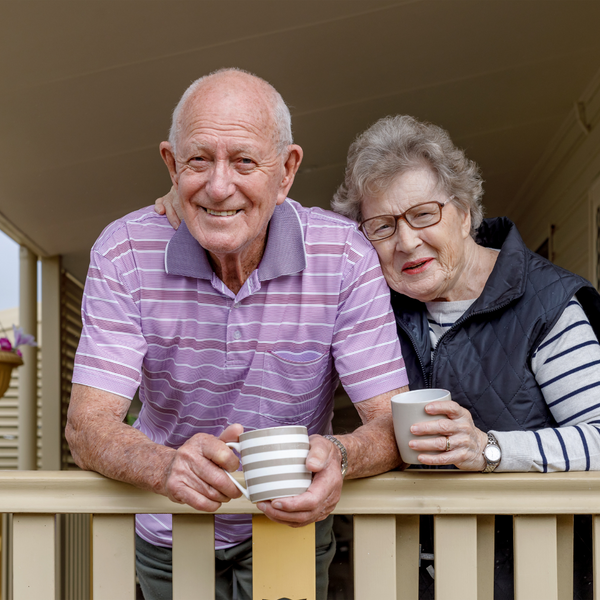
(11, 357)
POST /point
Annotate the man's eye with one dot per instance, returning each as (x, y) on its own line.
(246, 161)
(197, 163)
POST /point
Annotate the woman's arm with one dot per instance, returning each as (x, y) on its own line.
(566, 366)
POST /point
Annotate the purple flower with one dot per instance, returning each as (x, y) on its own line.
(5, 345)
(23, 339)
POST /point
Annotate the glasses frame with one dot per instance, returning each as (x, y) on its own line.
(403, 217)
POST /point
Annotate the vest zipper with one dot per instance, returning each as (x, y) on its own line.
(416, 352)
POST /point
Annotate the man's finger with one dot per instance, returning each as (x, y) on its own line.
(232, 433)
(293, 519)
(320, 453)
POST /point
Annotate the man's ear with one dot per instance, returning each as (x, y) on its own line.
(290, 168)
(167, 155)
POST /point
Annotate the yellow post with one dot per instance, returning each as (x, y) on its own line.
(283, 561)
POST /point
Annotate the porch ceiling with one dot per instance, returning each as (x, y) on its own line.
(88, 87)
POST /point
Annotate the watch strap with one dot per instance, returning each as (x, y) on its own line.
(491, 465)
(342, 450)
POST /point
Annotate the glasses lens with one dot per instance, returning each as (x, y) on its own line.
(424, 215)
(379, 227)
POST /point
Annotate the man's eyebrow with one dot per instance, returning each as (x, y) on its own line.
(244, 149)
(196, 146)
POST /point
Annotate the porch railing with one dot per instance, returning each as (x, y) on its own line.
(386, 532)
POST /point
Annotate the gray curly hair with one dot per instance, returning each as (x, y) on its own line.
(394, 145)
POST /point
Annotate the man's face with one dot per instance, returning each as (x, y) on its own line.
(228, 172)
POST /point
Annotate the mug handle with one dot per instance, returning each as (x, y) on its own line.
(236, 447)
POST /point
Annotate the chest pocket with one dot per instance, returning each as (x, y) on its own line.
(292, 384)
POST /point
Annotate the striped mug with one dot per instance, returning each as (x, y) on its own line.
(274, 462)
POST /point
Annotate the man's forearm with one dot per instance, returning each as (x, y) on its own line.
(102, 443)
(371, 448)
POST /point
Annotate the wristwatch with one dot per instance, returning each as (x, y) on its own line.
(342, 450)
(492, 454)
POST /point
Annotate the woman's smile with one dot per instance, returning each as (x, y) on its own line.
(416, 266)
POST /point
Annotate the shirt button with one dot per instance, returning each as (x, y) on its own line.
(236, 334)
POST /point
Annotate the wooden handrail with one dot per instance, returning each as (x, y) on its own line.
(386, 531)
(451, 492)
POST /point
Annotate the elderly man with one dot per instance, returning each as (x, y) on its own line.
(242, 318)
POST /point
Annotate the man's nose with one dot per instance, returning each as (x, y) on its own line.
(220, 184)
(407, 239)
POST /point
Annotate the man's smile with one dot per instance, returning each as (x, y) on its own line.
(221, 213)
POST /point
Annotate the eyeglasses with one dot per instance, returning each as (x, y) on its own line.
(417, 217)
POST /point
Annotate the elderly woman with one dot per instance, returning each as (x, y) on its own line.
(512, 336)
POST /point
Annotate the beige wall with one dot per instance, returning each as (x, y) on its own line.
(558, 190)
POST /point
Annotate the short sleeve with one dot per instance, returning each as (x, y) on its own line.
(365, 345)
(112, 347)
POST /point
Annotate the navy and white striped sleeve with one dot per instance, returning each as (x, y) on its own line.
(567, 368)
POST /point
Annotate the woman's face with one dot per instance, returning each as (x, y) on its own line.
(425, 264)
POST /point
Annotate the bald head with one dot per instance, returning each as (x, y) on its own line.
(220, 85)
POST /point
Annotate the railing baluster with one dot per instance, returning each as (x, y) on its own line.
(486, 526)
(455, 551)
(535, 557)
(374, 557)
(33, 557)
(283, 560)
(113, 561)
(193, 556)
(564, 532)
(407, 557)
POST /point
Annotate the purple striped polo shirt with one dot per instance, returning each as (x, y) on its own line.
(156, 316)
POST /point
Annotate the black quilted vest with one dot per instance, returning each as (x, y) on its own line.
(485, 359)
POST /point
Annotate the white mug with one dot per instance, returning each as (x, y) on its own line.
(408, 408)
(274, 462)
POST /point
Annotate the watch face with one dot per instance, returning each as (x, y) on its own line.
(492, 454)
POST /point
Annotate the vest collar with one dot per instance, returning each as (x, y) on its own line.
(508, 278)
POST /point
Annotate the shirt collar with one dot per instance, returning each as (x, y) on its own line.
(284, 255)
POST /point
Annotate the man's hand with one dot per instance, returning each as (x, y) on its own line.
(324, 460)
(195, 475)
(371, 450)
(171, 206)
(101, 442)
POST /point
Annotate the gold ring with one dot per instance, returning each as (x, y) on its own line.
(447, 444)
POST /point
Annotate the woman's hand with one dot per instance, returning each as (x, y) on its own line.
(456, 439)
(171, 206)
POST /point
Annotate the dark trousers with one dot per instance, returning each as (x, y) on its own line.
(233, 567)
